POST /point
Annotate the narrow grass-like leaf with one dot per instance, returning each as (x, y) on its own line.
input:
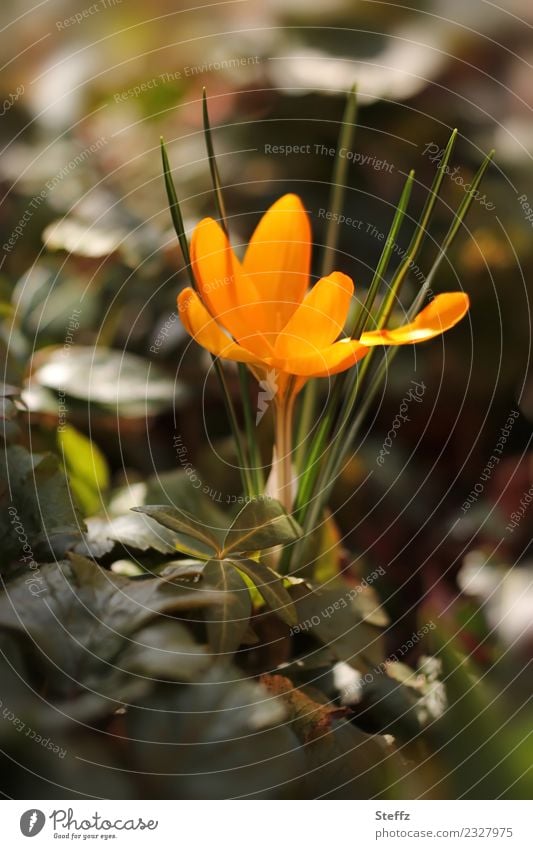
(458, 220)
(213, 167)
(179, 227)
(385, 310)
(343, 439)
(338, 185)
(335, 205)
(343, 385)
(417, 238)
(256, 474)
(175, 212)
(451, 234)
(384, 260)
(253, 476)
(244, 467)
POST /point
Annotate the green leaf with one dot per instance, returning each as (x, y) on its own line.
(124, 383)
(417, 238)
(86, 466)
(222, 736)
(138, 531)
(165, 650)
(270, 586)
(173, 489)
(227, 621)
(177, 218)
(333, 618)
(347, 427)
(262, 523)
(37, 517)
(187, 527)
(135, 531)
(77, 617)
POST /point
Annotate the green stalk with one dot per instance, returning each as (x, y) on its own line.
(283, 415)
(381, 269)
(213, 167)
(251, 433)
(256, 472)
(344, 384)
(338, 187)
(387, 306)
(246, 478)
(175, 212)
(417, 238)
(458, 219)
(335, 204)
(341, 442)
(177, 220)
(417, 303)
(341, 446)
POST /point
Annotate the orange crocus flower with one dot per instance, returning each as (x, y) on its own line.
(261, 311)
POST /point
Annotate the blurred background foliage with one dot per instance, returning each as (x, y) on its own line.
(100, 380)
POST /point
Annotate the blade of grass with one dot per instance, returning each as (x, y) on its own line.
(175, 212)
(384, 260)
(213, 167)
(343, 384)
(179, 227)
(453, 230)
(256, 472)
(356, 380)
(341, 441)
(341, 447)
(417, 238)
(253, 450)
(387, 306)
(338, 186)
(244, 470)
(335, 205)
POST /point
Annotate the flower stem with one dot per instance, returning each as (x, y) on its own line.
(284, 409)
(256, 469)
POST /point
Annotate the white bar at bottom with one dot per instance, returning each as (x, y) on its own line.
(263, 824)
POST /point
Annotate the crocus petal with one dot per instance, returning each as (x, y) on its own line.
(215, 267)
(278, 259)
(443, 312)
(319, 319)
(204, 329)
(229, 296)
(327, 361)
